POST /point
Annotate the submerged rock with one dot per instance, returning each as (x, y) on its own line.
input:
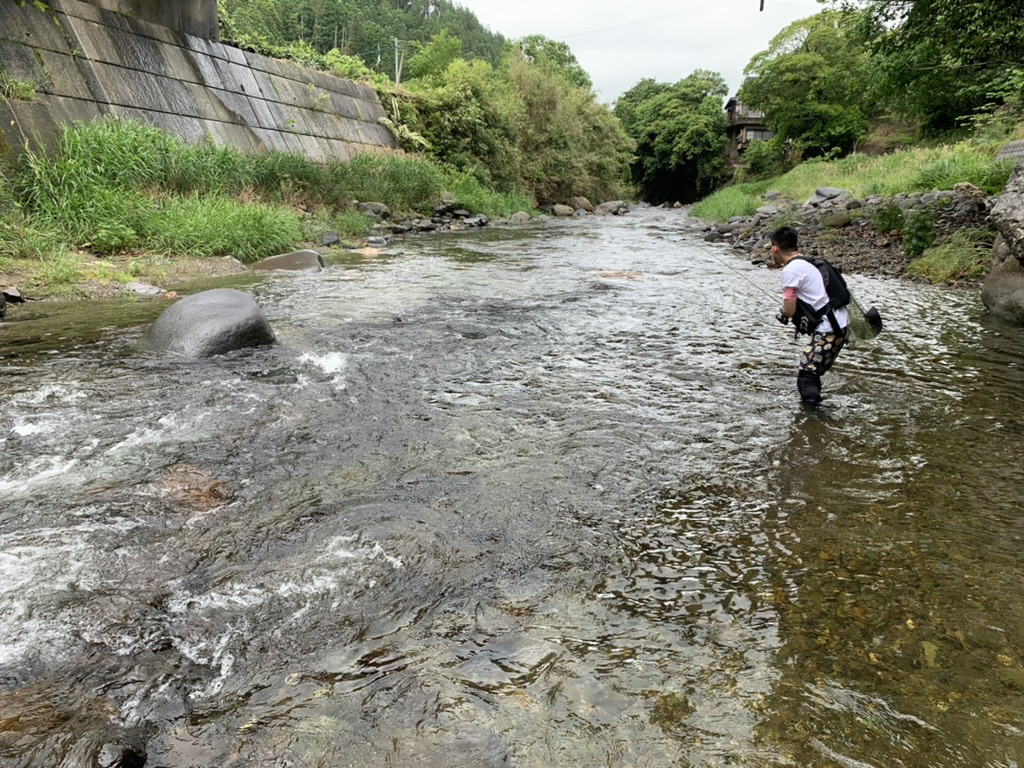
(296, 261)
(209, 323)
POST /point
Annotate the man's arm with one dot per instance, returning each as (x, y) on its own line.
(789, 302)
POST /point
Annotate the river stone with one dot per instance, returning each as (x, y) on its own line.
(835, 219)
(143, 289)
(296, 261)
(209, 323)
(581, 203)
(612, 208)
(1003, 290)
(374, 210)
(563, 210)
(519, 217)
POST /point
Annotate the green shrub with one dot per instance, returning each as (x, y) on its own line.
(470, 194)
(403, 183)
(20, 90)
(888, 217)
(919, 231)
(764, 159)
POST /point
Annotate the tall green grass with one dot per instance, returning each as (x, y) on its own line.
(115, 186)
(467, 190)
(215, 225)
(914, 170)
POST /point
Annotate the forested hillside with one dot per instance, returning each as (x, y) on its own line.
(366, 29)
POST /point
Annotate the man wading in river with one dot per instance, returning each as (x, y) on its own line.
(807, 303)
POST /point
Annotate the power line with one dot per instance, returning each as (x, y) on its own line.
(654, 19)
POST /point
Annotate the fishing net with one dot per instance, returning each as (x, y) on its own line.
(863, 326)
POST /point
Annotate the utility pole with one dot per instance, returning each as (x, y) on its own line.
(399, 60)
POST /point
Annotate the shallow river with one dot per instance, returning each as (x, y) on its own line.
(520, 497)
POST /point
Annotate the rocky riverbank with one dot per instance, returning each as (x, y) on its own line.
(844, 229)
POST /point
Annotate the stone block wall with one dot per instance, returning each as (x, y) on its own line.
(86, 62)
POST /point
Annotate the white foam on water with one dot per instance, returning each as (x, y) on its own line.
(49, 393)
(234, 597)
(26, 429)
(334, 364)
(339, 547)
(37, 472)
(35, 564)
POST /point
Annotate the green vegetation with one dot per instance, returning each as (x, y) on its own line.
(966, 255)
(11, 88)
(366, 31)
(810, 83)
(521, 118)
(121, 189)
(679, 131)
(921, 169)
(948, 64)
(919, 231)
(879, 75)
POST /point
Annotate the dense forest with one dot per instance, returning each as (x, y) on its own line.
(517, 117)
(521, 115)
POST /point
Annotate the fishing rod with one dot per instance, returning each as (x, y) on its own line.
(733, 268)
(856, 311)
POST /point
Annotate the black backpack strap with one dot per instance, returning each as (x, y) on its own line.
(836, 328)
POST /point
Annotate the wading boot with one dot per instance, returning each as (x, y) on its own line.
(809, 386)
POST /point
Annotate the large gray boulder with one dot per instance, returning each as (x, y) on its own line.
(209, 323)
(1003, 290)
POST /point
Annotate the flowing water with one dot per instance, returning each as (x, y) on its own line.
(519, 497)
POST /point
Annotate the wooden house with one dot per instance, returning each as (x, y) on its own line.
(744, 126)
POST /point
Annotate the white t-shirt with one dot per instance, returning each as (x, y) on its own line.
(810, 288)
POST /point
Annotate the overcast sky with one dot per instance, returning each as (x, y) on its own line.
(619, 42)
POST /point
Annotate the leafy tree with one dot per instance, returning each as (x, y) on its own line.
(464, 116)
(364, 28)
(555, 57)
(944, 61)
(433, 58)
(680, 136)
(812, 84)
(627, 104)
(570, 144)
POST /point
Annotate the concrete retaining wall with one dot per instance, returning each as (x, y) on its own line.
(86, 62)
(194, 17)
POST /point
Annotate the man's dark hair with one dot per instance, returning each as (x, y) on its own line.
(785, 238)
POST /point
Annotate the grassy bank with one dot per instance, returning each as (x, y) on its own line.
(907, 171)
(117, 200)
(915, 170)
